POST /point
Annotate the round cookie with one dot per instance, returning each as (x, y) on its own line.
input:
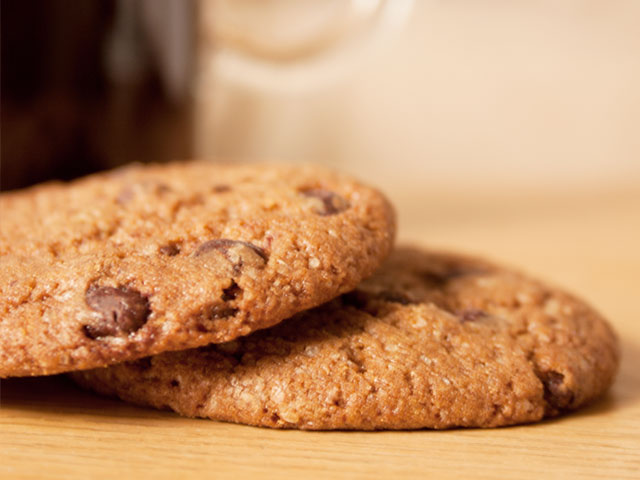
(431, 341)
(148, 259)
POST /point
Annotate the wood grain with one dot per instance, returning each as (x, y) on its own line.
(586, 242)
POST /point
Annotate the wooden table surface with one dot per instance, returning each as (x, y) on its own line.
(588, 242)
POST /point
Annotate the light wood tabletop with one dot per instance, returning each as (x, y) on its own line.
(587, 242)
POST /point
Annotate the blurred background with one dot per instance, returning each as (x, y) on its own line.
(452, 96)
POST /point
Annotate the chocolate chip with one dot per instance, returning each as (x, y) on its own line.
(124, 310)
(175, 383)
(224, 244)
(239, 253)
(171, 249)
(330, 203)
(556, 394)
(231, 292)
(471, 315)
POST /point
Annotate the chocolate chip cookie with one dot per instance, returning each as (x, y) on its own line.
(149, 259)
(431, 341)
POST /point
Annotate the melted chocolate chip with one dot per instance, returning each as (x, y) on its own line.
(331, 203)
(471, 315)
(556, 394)
(123, 311)
(240, 254)
(224, 245)
(171, 249)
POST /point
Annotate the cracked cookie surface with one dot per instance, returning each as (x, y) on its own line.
(432, 340)
(147, 259)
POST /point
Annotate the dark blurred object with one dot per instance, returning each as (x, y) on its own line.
(92, 85)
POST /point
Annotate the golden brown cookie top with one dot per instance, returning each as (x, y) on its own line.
(430, 341)
(147, 259)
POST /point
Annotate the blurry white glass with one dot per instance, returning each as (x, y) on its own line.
(296, 45)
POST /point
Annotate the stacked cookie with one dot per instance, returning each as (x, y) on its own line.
(271, 296)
